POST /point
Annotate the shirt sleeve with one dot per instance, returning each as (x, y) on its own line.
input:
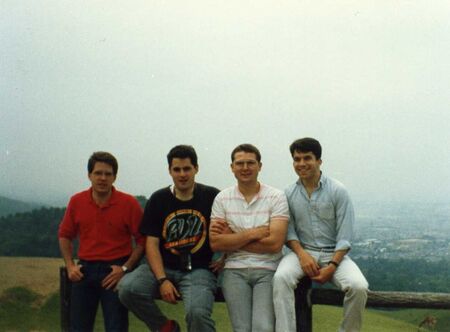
(345, 218)
(135, 222)
(217, 210)
(291, 233)
(150, 224)
(68, 228)
(280, 208)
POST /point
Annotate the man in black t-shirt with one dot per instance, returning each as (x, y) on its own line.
(176, 223)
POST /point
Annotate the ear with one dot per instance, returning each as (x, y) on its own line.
(196, 169)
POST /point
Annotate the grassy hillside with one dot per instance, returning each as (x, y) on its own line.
(10, 206)
(29, 301)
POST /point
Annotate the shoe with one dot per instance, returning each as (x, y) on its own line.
(170, 326)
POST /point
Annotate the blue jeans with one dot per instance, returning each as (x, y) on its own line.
(248, 294)
(88, 292)
(139, 289)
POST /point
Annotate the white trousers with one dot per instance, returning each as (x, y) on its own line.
(348, 278)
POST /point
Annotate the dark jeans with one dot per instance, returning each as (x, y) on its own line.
(86, 295)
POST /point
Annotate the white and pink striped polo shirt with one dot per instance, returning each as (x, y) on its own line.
(231, 205)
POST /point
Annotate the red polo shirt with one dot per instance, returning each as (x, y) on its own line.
(105, 233)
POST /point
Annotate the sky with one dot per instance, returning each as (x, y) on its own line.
(369, 80)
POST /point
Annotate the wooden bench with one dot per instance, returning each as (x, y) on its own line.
(305, 297)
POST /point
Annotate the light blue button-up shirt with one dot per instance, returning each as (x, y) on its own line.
(323, 220)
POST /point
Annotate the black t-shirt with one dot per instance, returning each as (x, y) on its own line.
(181, 226)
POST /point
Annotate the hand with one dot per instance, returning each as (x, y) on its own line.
(111, 280)
(309, 265)
(168, 292)
(74, 273)
(259, 232)
(325, 274)
(217, 265)
(220, 227)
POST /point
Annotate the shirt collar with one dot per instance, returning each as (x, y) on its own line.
(111, 201)
(322, 181)
(257, 196)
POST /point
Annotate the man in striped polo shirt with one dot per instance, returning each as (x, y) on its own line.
(249, 222)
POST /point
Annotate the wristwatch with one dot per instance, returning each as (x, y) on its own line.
(161, 280)
(336, 264)
(124, 269)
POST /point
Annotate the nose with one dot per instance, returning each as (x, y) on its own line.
(300, 162)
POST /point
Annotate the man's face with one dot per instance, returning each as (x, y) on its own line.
(102, 178)
(245, 167)
(183, 173)
(306, 165)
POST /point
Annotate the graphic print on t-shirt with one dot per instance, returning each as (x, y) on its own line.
(184, 229)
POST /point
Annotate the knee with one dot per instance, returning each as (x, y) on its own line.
(359, 288)
(125, 291)
(197, 314)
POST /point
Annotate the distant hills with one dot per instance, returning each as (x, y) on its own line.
(11, 206)
(30, 229)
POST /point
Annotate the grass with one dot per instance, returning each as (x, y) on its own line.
(40, 275)
(29, 301)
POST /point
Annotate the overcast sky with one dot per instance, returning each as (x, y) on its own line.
(370, 80)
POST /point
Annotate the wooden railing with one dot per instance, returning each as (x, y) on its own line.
(306, 297)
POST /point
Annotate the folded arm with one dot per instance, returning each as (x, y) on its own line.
(221, 238)
(272, 243)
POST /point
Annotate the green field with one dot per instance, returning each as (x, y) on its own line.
(25, 307)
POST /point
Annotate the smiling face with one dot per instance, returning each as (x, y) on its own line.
(183, 174)
(246, 167)
(102, 178)
(306, 165)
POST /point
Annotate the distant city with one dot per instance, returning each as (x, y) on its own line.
(402, 230)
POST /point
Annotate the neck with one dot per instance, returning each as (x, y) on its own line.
(312, 183)
(184, 195)
(249, 190)
(100, 198)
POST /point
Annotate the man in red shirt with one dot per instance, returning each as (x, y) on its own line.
(105, 221)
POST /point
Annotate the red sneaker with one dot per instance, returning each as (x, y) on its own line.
(170, 326)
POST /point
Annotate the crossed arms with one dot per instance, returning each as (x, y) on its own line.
(262, 239)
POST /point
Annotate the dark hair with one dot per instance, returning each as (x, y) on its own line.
(307, 144)
(246, 148)
(182, 152)
(103, 157)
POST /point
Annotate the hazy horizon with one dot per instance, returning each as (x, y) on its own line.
(368, 80)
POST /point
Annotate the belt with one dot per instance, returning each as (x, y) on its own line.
(324, 249)
(117, 261)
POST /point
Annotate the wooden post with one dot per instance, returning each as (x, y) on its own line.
(303, 305)
(64, 296)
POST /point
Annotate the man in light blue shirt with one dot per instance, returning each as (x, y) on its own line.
(319, 235)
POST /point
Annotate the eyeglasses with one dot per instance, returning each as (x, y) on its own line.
(101, 173)
(243, 163)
